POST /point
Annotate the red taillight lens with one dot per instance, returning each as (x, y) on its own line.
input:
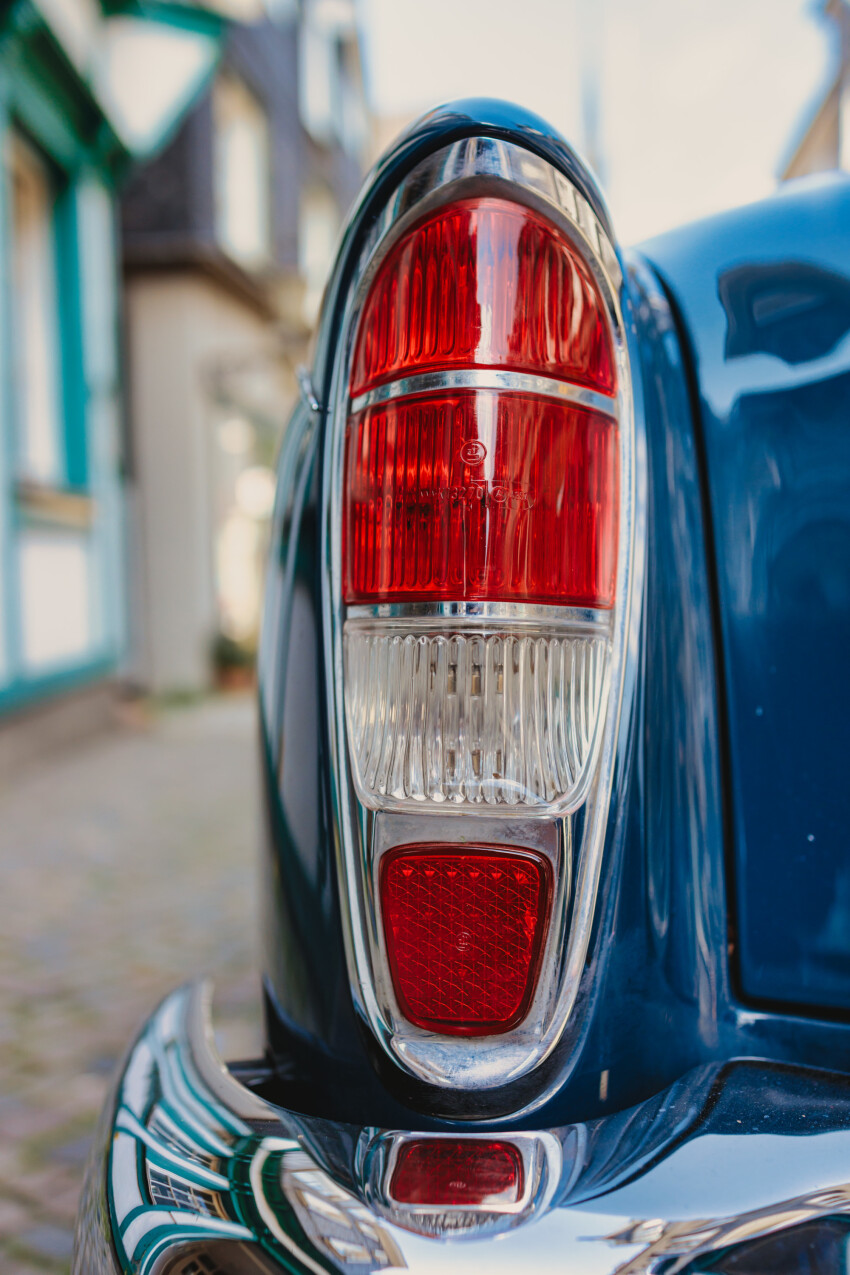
(457, 1172)
(464, 934)
(496, 494)
(483, 283)
(480, 496)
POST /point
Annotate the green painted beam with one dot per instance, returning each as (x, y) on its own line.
(51, 97)
(206, 20)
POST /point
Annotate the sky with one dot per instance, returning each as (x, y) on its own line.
(699, 101)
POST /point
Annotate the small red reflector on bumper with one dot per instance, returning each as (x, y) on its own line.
(452, 1172)
(464, 932)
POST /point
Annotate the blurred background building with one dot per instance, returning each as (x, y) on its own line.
(68, 130)
(227, 237)
(175, 175)
(825, 142)
(214, 158)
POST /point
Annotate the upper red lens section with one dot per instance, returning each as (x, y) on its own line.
(484, 283)
(482, 496)
(457, 1172)
(464, 931)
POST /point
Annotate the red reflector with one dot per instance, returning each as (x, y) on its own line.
(464, 933)
(446, 1172)
(483, 283)
(480, 496)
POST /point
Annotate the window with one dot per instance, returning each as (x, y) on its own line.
(56, 599)
(317, 235)
(316, 83)
(35, 309)
(242, 186)
(331, 100)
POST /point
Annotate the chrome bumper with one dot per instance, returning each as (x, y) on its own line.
(193, 1172)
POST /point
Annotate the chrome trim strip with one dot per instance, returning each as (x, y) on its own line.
(567, 619)
(488, 379)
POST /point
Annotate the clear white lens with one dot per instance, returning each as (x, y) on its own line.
(474, 718)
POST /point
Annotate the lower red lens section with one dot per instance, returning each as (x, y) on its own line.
(482, 496)
(464, 932)
(453, 1172)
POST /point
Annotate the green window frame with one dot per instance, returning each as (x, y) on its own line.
(63, 322)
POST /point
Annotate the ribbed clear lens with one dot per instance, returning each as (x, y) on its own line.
(483, 718)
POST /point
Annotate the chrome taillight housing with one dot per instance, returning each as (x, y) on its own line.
(479, 523)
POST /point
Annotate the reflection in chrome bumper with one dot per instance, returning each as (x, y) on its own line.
(192, 1172)
(190, 1161)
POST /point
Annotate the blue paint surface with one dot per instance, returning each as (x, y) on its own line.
(764, 295)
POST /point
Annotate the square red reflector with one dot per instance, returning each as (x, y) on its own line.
(453, 1172)
(464, 931)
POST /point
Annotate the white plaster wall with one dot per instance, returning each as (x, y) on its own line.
(180, 327)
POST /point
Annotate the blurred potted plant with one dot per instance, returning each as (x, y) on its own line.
(233, 662)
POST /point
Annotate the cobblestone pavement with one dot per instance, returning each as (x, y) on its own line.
(125, 868)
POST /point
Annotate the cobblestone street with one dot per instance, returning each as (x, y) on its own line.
(126, 867)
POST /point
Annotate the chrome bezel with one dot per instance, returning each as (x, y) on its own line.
(437, 614)
(426, 1054)
(476, 166)
(486, 379)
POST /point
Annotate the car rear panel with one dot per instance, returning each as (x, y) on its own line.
(741, 454)
(764, 300)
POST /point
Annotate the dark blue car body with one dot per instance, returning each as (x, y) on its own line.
(712, 1024)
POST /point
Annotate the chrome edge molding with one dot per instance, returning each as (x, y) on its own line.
(488, 379)
(479, 165)
(471, 613)
(305, 387)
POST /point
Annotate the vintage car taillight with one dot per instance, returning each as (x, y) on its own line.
(479, 534)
